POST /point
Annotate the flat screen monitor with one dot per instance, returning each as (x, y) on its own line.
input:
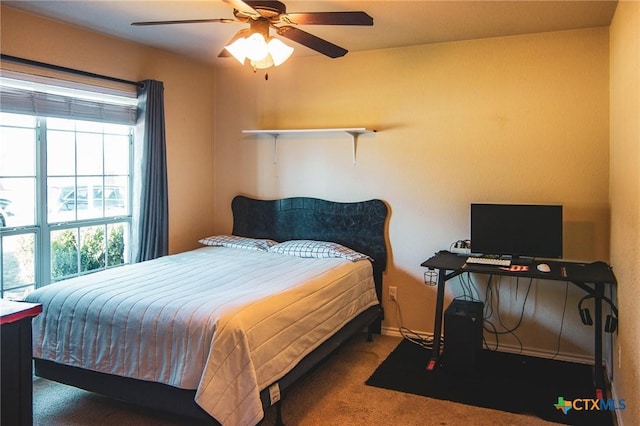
(517, 230)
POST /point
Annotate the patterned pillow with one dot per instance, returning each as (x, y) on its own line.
(234, 241)
(317, 249)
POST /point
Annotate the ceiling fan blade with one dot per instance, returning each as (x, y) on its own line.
(186, 21)
(330, 18)
(316, 43)
(243, 7)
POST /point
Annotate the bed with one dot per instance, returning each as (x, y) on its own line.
(222, 332)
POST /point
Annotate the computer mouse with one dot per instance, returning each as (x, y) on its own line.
(543, 267)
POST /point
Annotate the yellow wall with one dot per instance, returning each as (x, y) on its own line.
(189, 94)
(517, 119)
(625, 200)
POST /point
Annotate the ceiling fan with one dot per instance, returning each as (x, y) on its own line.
(262, 15)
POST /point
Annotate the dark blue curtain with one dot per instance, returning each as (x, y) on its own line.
(151, 205)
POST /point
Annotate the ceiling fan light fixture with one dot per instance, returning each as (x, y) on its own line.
(259, 53)
(238, 49)
(279, 51)
(256, 47)
(266, 62)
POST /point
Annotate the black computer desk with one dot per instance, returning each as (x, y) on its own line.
(591, 277)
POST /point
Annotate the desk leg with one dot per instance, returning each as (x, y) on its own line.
(598, 371)
(437, 325)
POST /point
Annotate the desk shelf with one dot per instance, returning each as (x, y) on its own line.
(354, 132)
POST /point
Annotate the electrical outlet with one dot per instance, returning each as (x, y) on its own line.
(393, 293)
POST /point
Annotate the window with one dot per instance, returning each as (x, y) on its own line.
(65, 191)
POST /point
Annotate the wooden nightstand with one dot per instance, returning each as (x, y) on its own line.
(15, 362)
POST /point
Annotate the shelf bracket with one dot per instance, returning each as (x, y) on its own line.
(275, 147)
(354, 143)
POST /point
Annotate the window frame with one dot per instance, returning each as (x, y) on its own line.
(42, 228)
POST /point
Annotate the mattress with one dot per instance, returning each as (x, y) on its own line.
(226, 322)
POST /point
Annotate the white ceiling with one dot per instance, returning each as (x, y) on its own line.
(396, 23)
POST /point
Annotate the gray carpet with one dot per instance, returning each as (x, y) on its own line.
(334, 394)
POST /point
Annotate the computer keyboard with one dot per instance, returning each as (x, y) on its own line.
(492, 261)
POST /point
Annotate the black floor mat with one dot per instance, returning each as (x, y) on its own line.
(501, 381)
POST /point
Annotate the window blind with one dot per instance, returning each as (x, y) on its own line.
(25, 97)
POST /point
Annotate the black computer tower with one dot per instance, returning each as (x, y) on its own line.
(462, 336)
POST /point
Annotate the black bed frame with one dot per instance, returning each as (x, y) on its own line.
(360, 226)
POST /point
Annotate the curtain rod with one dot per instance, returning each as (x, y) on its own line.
(65, 69)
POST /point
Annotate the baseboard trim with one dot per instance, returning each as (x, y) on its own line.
(582, 359)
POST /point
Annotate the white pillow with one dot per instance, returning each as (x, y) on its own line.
(234, 241)
(317, 249)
